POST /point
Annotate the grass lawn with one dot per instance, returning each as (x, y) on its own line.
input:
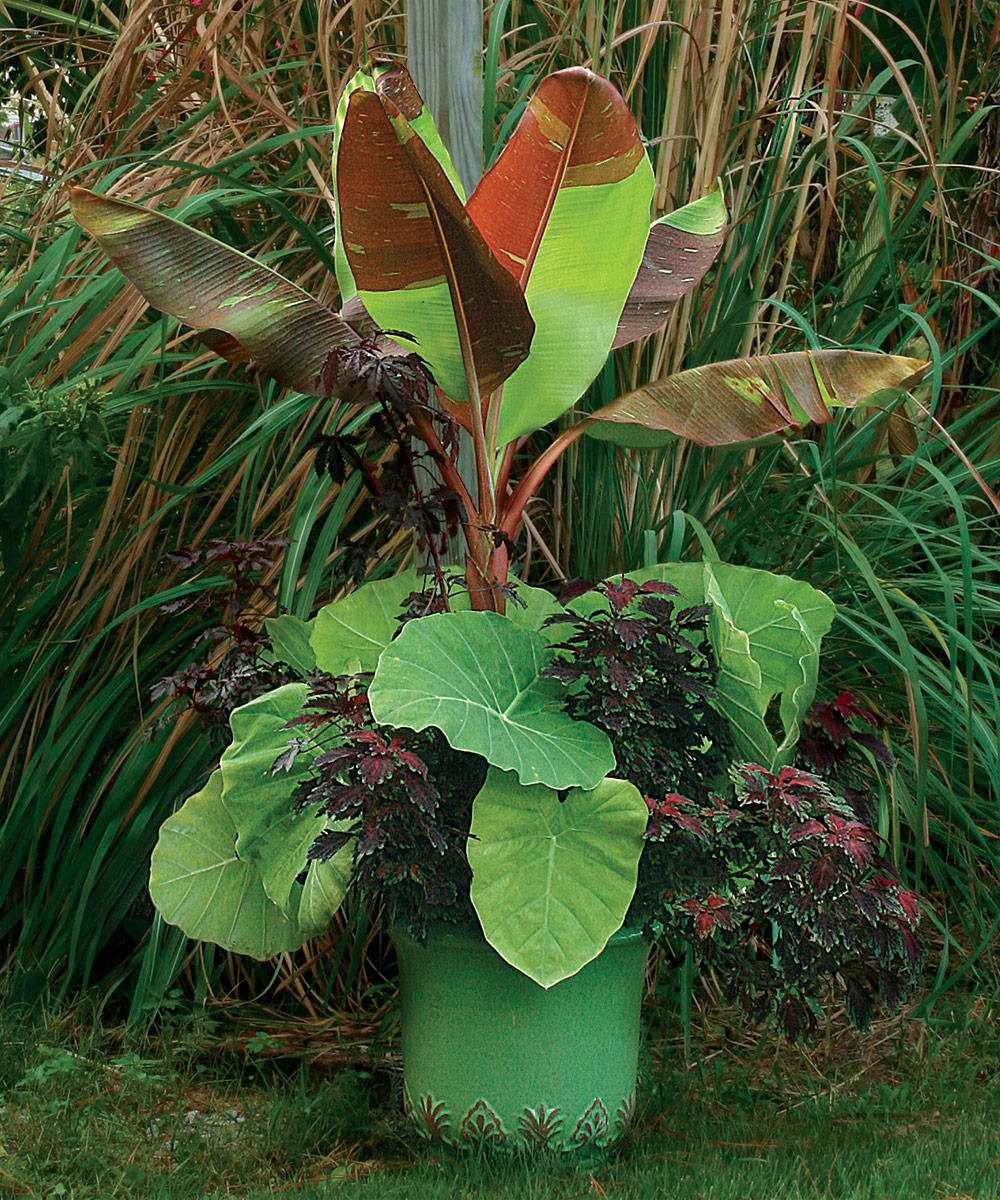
(211, 1108)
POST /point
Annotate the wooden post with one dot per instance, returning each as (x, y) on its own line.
(444, 51)
(444, 40)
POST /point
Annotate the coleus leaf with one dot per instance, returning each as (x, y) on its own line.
(213, 288)
(565, 209)
(910, 903)
(747, 398)
(679, 250)
(419, 263)
(853, 838)
(824, 874)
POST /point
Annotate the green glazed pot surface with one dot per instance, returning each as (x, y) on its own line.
(490, 1056)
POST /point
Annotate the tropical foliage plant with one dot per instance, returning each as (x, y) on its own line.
(512, 301)
(226, 111)
(477, 804)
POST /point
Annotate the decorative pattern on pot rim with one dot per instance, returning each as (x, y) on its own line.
(623, 1116)
(592, 1127)
(537, 1126)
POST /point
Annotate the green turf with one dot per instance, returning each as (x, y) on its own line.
(90, 1111)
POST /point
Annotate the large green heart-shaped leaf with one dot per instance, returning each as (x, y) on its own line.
(290, 641)
(396, 82)
(419, 263)
(765, 630)
(351, 633)
(552, 875)
(214, 288)
(270, 833)
(679, 250)
(199, 883)
(476, 676)
(324, 889)
(748, 398)
(565, 208)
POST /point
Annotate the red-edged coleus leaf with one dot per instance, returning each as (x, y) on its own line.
(853, 838)
(676, 808)
(419, 263)
(824, 874)
(709, 913)
(806, 830)
(679, 250)
(216, 289)
(565, 208)
(797, 789)
(913, 948)
(911, 906)
(747, 398)
(834, 716)
(908, 902)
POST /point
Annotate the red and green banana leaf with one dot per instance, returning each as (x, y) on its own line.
(748, 398)
(396, 82)
(565, 209)
(680, 249)
(419, 263)
(214, 288)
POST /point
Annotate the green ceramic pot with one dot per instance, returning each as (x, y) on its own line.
(490, 1056)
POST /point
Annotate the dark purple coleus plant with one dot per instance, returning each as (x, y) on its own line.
(783, 889)
(643, 670)
(405, 798)
(839, 737)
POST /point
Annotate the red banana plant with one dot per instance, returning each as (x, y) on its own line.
(513, 299)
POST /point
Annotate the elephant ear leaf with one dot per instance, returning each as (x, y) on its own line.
(478, 678)
(553, 873)
(258, 794)
(210, 286)
(748, 398)
(565, 208)
(419, 263)
(290, 641)
(679, 250)
(766, 631)
(349, 635)
(199, 883)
